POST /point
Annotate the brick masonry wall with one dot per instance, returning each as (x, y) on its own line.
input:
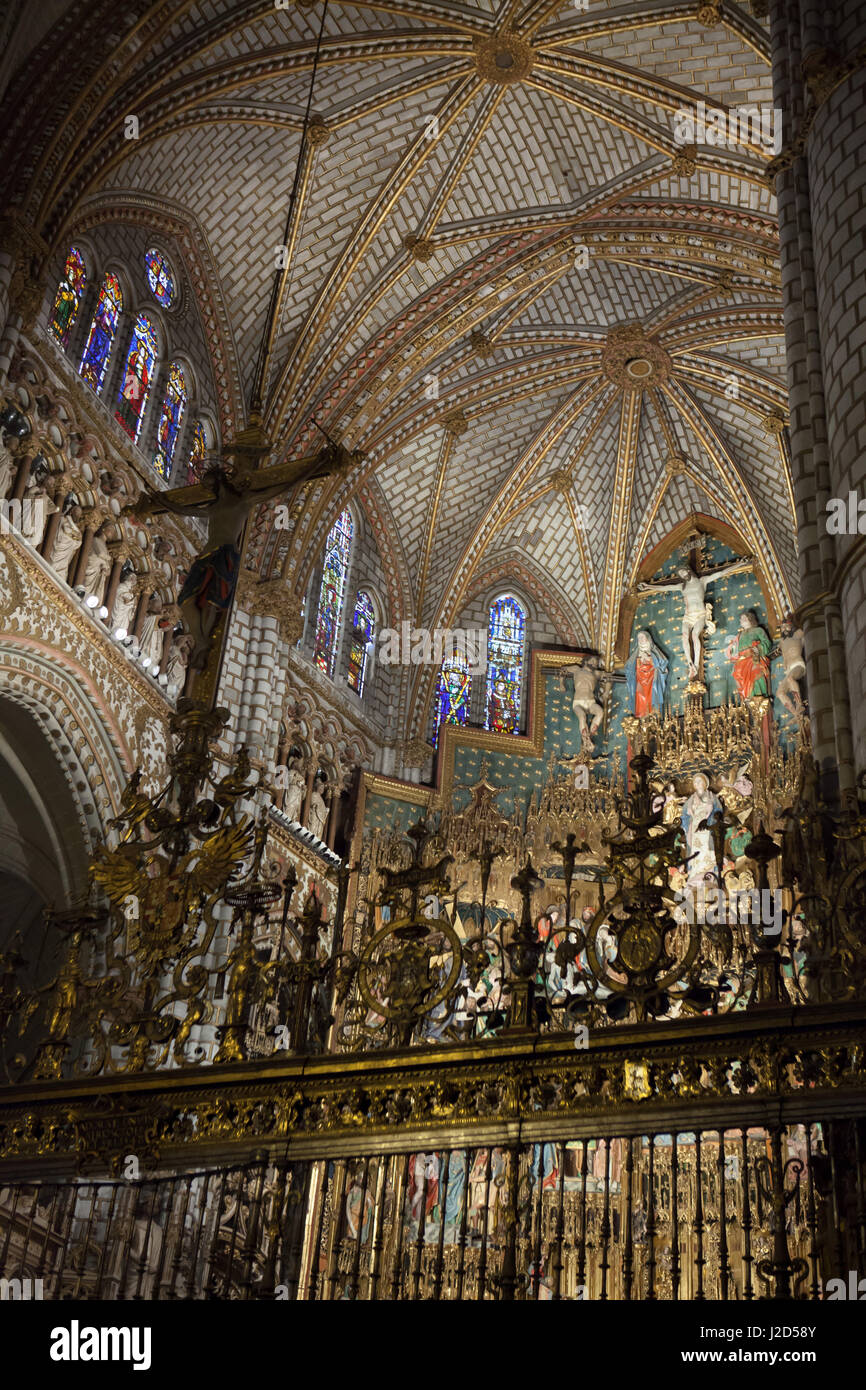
(837, 174)
(819, 196)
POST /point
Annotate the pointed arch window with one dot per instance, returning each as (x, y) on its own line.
(67, 300)
(100, 339)
(137, 376)
(506, 643)
(363, 632)
(170, 420)
(452, 693)
(195, 463)
(331, 594)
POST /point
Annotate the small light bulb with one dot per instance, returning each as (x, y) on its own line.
(120, 633)
(91, 600)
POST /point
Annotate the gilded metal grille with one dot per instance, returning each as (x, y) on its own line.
(717, 1214)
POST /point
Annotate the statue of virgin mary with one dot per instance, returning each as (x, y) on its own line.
(702, 805)
(646, 676)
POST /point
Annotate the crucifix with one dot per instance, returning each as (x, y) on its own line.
(692, 583)
(226, 496)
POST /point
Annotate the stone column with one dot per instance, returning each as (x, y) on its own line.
(254, 675)
(22, 477)
(333, 814)
(820, 186)
(24, 275)
(311, 780)
(93, 521)
(146, 590)
(61, 491)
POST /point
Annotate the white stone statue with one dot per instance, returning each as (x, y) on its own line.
(125, 603)
(697, 617)
(178, 660)
(702, 806)
(8, 468)
(67, 542)
(586, 675)
(97, 567)
(318, 816)
(295, 788)
(149, 630)
(791, 644)
(36, 508)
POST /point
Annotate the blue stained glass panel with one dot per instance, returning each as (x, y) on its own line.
(68, 297)
(170, 420)
(330, 608)
(452, 693)
(363, 631)
(506, 641)
(101, 336)
(137, 377)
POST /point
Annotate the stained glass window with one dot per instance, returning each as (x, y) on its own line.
(101, 336)
(506, 639)
(68, 296)
(452, 693)
(195, 463)
(330, 607)
(170, 419)
(363, 630)
(160, 278)
(137, 376)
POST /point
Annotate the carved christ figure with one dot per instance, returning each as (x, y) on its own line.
(586, 675)
(693, 588)
(226, 496)
(791, 644)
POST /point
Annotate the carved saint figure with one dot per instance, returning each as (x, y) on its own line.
(696, 619)
(667, 801)
(791, 644)
(178, 659)
(295, 786)
(750, 653)
(586, 675)
(97, 567)
(646, 676)
(125, 602)
(8, 467)
(702, 806)
(151, 638)
(68, 538)
(736, 793)
(36, 508)
(318, 814)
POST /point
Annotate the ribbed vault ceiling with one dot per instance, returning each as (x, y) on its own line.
(480, 367)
